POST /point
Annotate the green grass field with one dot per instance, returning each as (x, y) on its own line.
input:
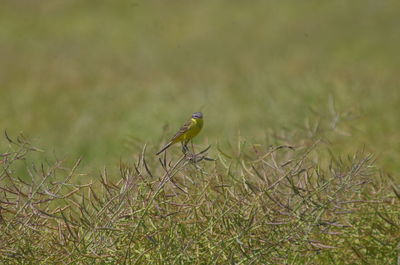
(109, 82)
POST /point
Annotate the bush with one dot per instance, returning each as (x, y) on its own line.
(255, 205)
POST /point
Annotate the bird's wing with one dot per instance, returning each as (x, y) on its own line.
(188, 124)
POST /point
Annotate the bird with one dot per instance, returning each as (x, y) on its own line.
(189, 130)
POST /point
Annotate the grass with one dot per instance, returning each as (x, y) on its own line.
(254, 204)
(84, 79)
(106, 84)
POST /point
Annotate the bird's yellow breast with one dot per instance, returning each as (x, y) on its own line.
(192, 130)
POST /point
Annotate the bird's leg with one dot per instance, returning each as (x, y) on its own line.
(185, 149)
(191, 142)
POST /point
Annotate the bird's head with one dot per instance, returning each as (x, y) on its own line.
(197, 115)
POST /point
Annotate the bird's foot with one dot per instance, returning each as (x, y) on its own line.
(202, 155)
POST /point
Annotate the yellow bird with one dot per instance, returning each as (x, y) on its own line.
(189, 130)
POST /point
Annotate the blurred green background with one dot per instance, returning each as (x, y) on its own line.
(99, 79)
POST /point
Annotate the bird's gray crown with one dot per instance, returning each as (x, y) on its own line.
(197, 115)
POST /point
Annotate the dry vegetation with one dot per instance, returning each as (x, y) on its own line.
(253, 205)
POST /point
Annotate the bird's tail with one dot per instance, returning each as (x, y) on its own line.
(164, 148)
